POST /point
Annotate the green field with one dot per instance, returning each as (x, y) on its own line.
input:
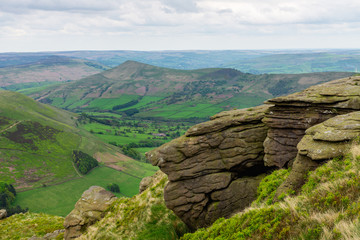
(124, 132)
(60, 199)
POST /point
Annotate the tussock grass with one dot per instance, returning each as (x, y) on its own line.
(26, 225)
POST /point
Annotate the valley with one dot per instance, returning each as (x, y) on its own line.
(36, 154)
(116, 115)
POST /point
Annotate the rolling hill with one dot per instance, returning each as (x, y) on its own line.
(146, 91)
(18, 72)
(37, 143)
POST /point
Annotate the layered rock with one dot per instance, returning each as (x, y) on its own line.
(291, 115)
(211, 168)
(89, 209)
(325, 141)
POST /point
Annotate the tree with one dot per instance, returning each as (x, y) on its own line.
(113, 187)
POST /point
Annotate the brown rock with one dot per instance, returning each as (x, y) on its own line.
(210, 160)
(88, 210)
(291, 115)
(325, 141)
(145, 183)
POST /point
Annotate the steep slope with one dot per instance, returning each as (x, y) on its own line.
(143, 216)
(41, 70)
(149, 91)
(37, 142)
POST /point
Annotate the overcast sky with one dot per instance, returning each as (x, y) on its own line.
(52, 25)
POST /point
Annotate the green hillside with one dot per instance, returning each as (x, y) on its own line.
(145, 91)
(37, 143)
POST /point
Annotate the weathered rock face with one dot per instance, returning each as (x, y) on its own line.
(325, 141)
(210, 168)
(88, 210)
(3, 213)
(291, 115)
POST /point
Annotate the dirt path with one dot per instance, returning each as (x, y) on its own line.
(10, 127)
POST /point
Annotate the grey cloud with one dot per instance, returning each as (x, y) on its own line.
(181, 5)
(24, 6)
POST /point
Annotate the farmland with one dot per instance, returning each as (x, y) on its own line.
(64, 196)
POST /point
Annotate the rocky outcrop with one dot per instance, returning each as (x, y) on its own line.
(145, 183)
(3, 213)
(211, 169)
(144, 216)
(291, 115)
(325, 141)
(88, 210)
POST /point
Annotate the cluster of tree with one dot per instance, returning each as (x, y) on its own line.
(113, 187)
(133, 153)
(7, 197)
(84, 162)
(125, 105)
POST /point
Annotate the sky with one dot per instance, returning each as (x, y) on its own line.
(61, 25)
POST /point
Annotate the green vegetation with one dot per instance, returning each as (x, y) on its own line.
(132, 136)
(143, 216)
(40, 147)
(7, 197)
(267, 187)
(7, 194)
(113, 187)
(64, 196)
(27, 225)
(84, 162)
(326, 208)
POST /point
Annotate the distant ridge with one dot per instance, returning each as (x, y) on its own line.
(171, 93)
